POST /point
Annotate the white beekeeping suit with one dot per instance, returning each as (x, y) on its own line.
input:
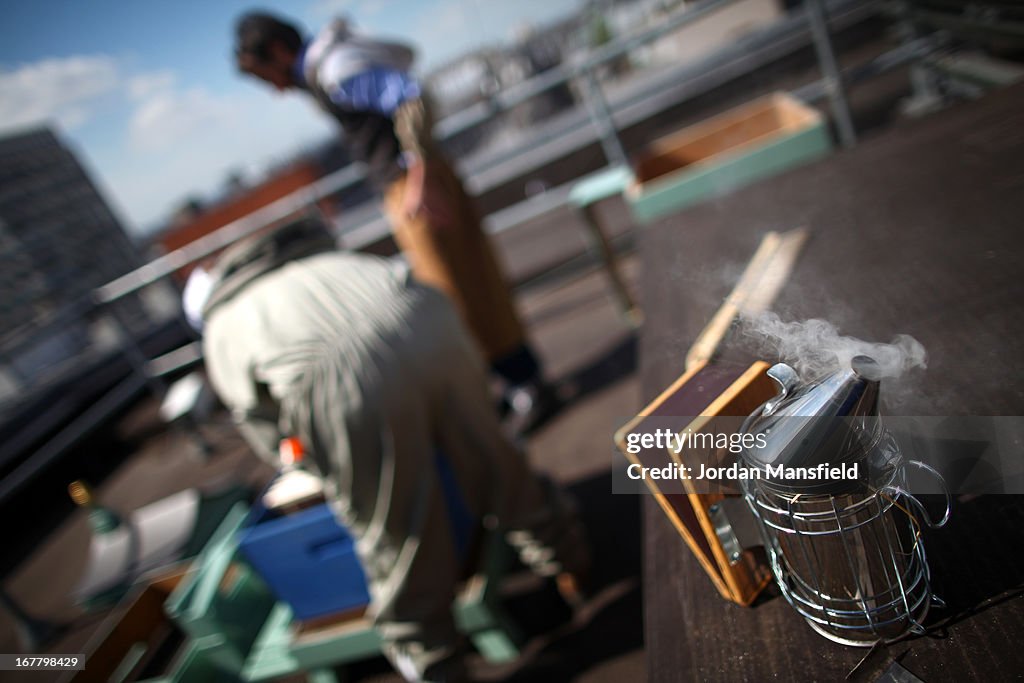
(375, 374)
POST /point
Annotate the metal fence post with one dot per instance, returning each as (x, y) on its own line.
(832, 77)
(133, 351)
(601, 115)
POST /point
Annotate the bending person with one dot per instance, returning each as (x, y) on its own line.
(375, 374)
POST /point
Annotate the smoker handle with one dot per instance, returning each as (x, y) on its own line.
(900, 491)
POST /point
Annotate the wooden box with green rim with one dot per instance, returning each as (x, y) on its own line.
(736, 148)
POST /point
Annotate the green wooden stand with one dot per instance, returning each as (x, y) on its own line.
(583, 197)
(238, 631)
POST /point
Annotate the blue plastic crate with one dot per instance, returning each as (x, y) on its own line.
(307, 559)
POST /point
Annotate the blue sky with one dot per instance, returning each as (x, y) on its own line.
(146, 93)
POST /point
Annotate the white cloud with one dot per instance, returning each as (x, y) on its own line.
(144, 85)
(152, 140)
(450, 18)
(374, 7)
(185, 141)
(173, 117)
(59, 89)
(332, 8)
(360, 12)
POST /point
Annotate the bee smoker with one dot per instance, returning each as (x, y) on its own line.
(846, 551)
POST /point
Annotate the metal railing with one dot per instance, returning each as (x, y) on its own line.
(601, 114)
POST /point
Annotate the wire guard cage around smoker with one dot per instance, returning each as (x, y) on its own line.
(853, 565)
(849, 558)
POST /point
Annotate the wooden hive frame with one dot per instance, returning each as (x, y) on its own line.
(705, 391)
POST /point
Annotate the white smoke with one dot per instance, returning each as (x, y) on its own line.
(815, 348)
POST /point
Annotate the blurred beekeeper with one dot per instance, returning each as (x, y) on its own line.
(367, 86)
(374, 373)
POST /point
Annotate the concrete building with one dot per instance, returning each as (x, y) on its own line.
(58, 240)
(58, 237)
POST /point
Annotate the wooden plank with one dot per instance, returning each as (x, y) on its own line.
(708, 340)
(761, 295)
(140, 619)
(755, 291)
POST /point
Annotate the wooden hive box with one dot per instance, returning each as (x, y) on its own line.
(137, 637)
(723, 153)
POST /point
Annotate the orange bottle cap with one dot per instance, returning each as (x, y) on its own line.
(290, 450)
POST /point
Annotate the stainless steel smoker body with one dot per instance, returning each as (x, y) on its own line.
(847, 553)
